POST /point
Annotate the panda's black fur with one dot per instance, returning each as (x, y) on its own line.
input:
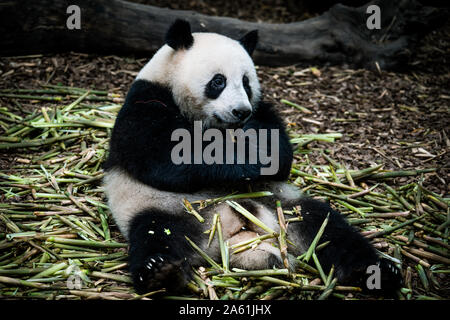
(159, 254)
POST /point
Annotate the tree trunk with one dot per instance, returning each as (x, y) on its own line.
(339, 36)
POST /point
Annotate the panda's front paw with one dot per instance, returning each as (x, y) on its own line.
(160, 271)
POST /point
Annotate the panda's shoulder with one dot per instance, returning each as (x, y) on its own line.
(144, 94)
(266, 115)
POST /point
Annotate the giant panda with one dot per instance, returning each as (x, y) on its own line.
(211, 78)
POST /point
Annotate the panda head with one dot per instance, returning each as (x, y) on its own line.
(212, 77)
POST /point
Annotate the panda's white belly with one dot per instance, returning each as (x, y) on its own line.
(127, 197)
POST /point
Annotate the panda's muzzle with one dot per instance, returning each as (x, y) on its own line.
(241, 113)
(235, 118)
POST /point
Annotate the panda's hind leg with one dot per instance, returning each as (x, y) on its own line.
(159, 254)
(349, 252)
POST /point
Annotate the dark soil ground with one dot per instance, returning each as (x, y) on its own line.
(399, 119)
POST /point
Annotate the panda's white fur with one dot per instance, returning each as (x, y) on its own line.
(186, 72)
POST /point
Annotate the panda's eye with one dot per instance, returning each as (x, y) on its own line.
(245, 80)
(246, 84)
(215, 86)
(219, 81)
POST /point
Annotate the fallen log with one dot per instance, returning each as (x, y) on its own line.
(338, 36)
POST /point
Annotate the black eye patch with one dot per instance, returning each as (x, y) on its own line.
(246, 84)
(215, 86)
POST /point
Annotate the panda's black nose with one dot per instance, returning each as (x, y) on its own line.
(241, 113)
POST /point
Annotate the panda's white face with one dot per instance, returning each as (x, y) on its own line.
(214, 80)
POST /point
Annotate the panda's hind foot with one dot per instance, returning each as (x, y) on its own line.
(160, 271)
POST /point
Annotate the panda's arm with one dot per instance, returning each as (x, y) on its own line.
(266, 117)
(191, 177)
(141, 145)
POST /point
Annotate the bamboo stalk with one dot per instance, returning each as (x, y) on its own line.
(30, 97)
(203, 254)
(250, 217)
(208, 202)
(187, 205)
(213, 229)
(282, 235)
(95, 244)
(396, 174)
(392, 229)
(50, 271)
(40, 142)
(414, 258)
(223, 247)
(319, 268)
(428, 255)
(302, 109)
(326, 293)
(18, 282)
(111, 276)
(312, 247)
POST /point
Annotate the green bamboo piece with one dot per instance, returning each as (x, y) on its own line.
(402, 200)
(95, 244)
(111, 276)
(203, 254)
(250, 217)
(257, 273)
(358, 175)
(213, 228)
(282, 235)
(334, 163)
(18, 282)
(314, 243)
(30, 97)
(76, 102)
(50, 271)
(392, 229)
(319, 268)
(423, 277)
(326, 293)
(302, 109)
(223, 247)
(352, 208)
(396, 174)
(189, 209)
(208, 202)
(251, 241)
(40, 142)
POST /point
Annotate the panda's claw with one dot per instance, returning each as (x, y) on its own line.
(159, 272)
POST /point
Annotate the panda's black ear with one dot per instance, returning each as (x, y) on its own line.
(249, 41)
(179, 35)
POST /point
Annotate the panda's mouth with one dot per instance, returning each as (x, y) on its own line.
(227, 123)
